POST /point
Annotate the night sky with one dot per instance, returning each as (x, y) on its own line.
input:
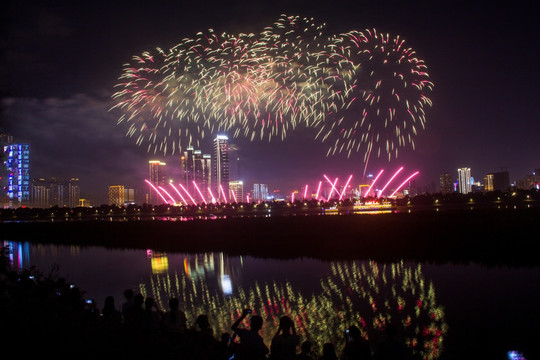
(61, 59)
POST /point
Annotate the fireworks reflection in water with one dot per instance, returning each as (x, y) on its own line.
(363, 293)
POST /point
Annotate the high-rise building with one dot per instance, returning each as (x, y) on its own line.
(157, 178)
(129, 196)
(464, 180)
(236, 188)
(206, 176)
(188, 168)
(501, 181)
(55, 192)
(74, 192)
(488, 182)
(446, 184)
(116, 195)
(17, 162)
(220, 168)
(196, 167)
(40, 193)
(260, 192)
(234, 162)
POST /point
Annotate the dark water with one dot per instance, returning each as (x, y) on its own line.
(444, 311)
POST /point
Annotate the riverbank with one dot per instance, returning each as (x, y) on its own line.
(489, 236)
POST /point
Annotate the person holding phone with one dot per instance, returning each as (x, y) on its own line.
(252, 346)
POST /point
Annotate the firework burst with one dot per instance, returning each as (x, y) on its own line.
(362, 91)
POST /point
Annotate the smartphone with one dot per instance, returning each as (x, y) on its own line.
(88, 301)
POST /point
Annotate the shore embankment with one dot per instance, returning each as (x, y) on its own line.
(489, 236)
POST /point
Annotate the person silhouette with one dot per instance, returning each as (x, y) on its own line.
(329, 352)
(252, 346)
(305, 351)
(356, 347)
(128, 302)
(285, 340)
(174, 320)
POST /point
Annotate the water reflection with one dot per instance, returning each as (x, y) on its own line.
(362, 293)
(366, 294)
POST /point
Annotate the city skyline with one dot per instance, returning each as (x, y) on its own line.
(481, 116)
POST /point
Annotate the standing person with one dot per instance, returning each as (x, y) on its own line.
(251, 345)
(173, 326)
(357, 348)
(152, 317)
(128, 303)
(329, 352)
(174, 320)
(305, 351)
(285, 340)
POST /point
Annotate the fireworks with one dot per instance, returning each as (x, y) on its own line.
(362, 91)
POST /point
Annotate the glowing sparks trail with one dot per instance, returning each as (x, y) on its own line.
(404, 182)
(318, 191)
(222, 192)
(389, 181)
(199, 191)
(373, 183)
(188, 194)
(362, 91)
(156, 190)
(333, 186)
(173, 201)
(345, 188)
(179, 194)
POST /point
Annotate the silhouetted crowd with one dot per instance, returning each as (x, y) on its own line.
(42, 316)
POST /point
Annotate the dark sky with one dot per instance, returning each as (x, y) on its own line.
(61, 59)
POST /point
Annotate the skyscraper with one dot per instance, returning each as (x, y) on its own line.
(501, 181)
(74, 192)
(260, 192)
(40, 193)
(17, 162)
(488, 182)
(464, 180)
(446, 185)
(116, 195)
(196, 167)
(157, 178)
(220, 168)
(237, 190)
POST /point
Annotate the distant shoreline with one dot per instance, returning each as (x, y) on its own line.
(490, 236)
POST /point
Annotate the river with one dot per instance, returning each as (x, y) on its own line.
(445, 311)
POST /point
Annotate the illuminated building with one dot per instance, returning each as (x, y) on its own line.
(196, 167)
(446, 184)
(157, 177)
(220, 167)
(236, 187)
(18, 178)
(83, 203)
(529, 182)
(129, 196)
(40, 193)
(488, 182)
(464, 180)
(260, 192)
(74, 192)
(116, 195)
(234, 162)
(55, 192)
